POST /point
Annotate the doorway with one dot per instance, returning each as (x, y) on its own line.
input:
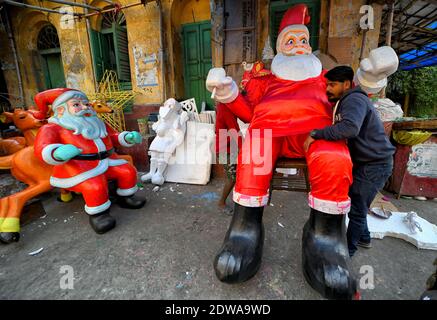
(197, 61)
(51, 59)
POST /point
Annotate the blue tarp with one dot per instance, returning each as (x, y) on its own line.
(426, 56)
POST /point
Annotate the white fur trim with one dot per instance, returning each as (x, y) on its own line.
(293, 26)
(127, 192)
(250, 201)
(64, 97)
(331, 207)
(116, 162)
(122, 140)
(47, 154)
(95, 210)
(99, 144)
(65, 183)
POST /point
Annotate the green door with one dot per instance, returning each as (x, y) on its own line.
(277, 10)
(53, 68)
(197, 61)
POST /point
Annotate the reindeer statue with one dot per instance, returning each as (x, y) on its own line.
(27, 124)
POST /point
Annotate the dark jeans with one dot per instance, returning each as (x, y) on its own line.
(368, 179)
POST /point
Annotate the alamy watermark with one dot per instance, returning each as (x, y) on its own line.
(367, 21)
(66, 282)
(367, 280)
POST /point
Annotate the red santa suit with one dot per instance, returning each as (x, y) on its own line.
(281, 115)
(291, 109)
(89, 177)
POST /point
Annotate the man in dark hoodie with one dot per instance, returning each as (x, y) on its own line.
(356, 120)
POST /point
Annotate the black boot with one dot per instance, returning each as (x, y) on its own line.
(9, 237)
(102, 222)
(325, 256)
(130, 202)
(240, 256)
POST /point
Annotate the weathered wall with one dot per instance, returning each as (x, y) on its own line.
(345, 36)
(155, 52)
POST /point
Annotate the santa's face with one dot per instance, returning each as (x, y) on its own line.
(77, 114)
(80, 106)
(293, 42)
(294, 60)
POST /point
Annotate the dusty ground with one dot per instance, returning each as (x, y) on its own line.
(165, 251)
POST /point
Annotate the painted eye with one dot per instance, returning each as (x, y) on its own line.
(304, 41)
(290, 41)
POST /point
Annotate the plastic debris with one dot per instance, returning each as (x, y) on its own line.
(272, 205)
(281, 225)
(156, 189)
(381, 212)
(171, 189)
(420, 198)
(36, 252)
(412, 223)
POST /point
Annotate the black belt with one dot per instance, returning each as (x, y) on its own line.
(94, 156)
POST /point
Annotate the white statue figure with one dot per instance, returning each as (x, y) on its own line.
(170, 132)
(373, 71)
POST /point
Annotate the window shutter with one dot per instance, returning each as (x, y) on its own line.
(122, 54)
(96, 49)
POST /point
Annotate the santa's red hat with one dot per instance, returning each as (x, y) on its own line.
(52, 97)
(296, 16)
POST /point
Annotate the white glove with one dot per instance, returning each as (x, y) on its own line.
(223, 88)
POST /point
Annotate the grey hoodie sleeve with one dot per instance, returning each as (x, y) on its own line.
(353, 112)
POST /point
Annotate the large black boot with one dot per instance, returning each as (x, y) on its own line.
(9, 237)
(130, 202)
(102, 222)
(325, 256)
(240, 256)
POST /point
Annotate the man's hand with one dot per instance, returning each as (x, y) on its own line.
(223, 88)
(133, 137)
(66, 152)
(307, 143)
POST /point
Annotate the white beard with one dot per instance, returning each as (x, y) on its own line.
(296, 68)
(89, 127)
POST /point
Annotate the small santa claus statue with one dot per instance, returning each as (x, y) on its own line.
(282, 109)
(80, 146)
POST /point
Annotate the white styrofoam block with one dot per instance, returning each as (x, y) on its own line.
(395, 227)
(192, 160)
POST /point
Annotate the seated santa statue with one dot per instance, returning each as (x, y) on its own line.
(80, 146)
(282, 108)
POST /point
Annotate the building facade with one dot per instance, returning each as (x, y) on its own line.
(160, 49)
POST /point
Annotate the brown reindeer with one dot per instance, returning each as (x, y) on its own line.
(27, 124)
(101, 106)
(26, 168)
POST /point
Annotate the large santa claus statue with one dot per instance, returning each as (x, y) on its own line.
(80, 146)
(282, 108)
